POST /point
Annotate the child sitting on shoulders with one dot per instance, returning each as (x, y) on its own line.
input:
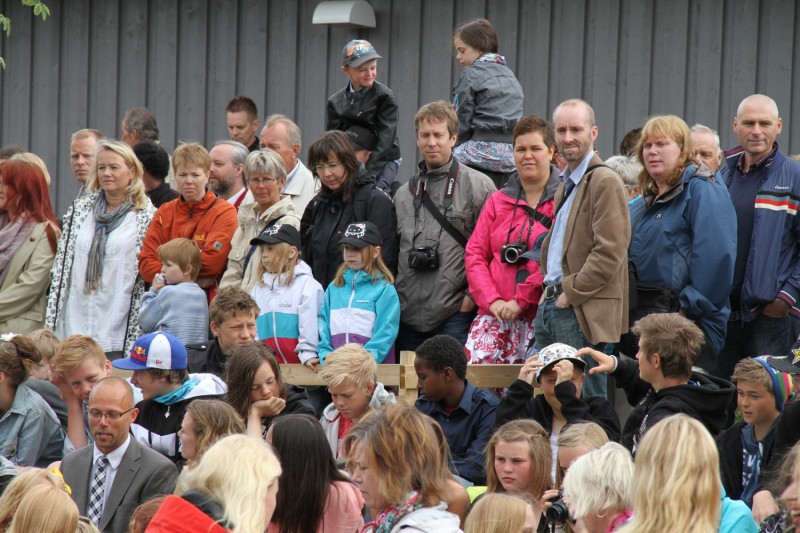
(361, 304)
(175, 304)
(287, 295)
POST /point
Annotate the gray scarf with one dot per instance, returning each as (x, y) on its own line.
(12, 235)
(105, 223)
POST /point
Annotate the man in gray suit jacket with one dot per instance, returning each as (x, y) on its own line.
(115, 475)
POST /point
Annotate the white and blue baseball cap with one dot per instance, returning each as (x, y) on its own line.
(155, 350)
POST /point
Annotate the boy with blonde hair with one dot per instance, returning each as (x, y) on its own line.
(761, 394)
(175, 304)
(351, 375)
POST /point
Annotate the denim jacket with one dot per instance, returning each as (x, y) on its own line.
(30, 434)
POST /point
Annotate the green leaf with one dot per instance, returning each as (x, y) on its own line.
(37, 9)
(2, 63)
(5, 22)
(29, 3)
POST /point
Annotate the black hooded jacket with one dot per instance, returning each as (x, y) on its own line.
(705, 398)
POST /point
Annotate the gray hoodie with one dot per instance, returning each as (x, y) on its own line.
(330, 416)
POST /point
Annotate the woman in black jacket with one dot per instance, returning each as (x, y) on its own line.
(348, 194)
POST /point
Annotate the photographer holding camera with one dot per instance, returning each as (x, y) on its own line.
(504, 284)
(436, 214)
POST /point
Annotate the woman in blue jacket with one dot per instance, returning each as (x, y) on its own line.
(683, 237)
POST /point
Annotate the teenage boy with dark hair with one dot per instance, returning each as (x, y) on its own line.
(761, 393)
(661, 383)
(465, 412)
(560, 373)
(158, 362)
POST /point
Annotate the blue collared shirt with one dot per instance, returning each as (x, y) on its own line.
(467, 429)
(555, 250)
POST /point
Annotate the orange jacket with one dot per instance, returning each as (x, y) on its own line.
(210, 222)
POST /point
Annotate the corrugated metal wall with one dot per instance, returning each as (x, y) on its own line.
(184, 59)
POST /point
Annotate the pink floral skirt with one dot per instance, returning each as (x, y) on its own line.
(492, 341)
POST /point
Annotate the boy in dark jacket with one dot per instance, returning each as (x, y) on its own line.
(560, 373)
(370, 104)
(662, 382)
(746, 446)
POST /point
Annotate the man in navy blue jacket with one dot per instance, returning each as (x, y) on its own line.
(764, 186)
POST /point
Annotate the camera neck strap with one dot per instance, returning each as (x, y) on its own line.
(422, 198)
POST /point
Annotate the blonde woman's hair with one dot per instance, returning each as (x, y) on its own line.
(286, 264)
(600, 481)
(376, 268)
(669, 127)
(497, 513)
(20, 486)
(135, 193)
(45, 509)
(400, 443)
(212, 420)
(678, 461)
(352, 363)
(46, 342)
(534, 435)
(581, 434)
(34, 159)
(236, 472)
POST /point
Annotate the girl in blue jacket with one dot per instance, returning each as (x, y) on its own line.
(361, 304)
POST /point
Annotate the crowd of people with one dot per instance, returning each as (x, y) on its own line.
(673, 267)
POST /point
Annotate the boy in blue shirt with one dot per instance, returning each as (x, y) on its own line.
(465, 412)
(368, 103)
(175, 304)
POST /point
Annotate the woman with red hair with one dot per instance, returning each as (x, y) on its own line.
(28, 238)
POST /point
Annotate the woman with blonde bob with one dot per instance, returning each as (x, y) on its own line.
(399, 467)
(501, 513)
(96, 288)
(20, 486)
(234, 487)
(519, 462)
(678, 461)
(598, 488)
(683, 241)
(45, 509)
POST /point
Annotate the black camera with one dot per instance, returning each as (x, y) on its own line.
(558, 512)
(511, 252)
(423, 258)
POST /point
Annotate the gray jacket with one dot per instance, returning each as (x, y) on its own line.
(428, 520)
(429, 297)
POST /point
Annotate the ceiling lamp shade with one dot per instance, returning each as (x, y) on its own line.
(355, 12)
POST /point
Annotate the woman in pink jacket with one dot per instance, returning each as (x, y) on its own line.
(506, 286)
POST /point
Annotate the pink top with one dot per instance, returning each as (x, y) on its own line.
(342, 510)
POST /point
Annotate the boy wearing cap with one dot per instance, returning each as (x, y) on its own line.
(368, 103)
(465, 412)
(661, 383)
(560, 373)
(363, 142)
(175, 304)
(287, 295)
(361, 304)
(158, 362)
(761, 396)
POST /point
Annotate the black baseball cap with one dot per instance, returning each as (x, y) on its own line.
(361, 138)
(361, 234)
(279, 233)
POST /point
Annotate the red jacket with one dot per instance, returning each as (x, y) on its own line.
(489, 278)
(176, 515)
(210, 222)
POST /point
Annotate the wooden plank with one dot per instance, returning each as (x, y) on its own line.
(704, 68)
(633, 75)
(669, 50)
(791, 131)
(251, 76)
(389, 375)
(282, 51)
(567, 50)
(775, 46)
(434, 41)
(133, 52)
(16, 78)
(162, 80)
(104, 67)
(600, 73)
(222, 43)
(534, 68)
(191, 105)
(312, 74)
(73, 94)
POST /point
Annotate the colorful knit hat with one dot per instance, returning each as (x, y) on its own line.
(781, 382)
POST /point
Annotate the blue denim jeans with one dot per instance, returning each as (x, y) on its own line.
(554, 324)
(456, 326)
(763, 336)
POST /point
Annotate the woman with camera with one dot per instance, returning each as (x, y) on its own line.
(505, 285)
(348, 194)
(683, 237)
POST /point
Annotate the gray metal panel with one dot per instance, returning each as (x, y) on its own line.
(281, 58)
(192, 71)
(704, 63)
(16, 79)
(104, 66)
(162, 61)
(222, 67)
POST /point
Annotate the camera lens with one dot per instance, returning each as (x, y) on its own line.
(557, 513)
(511, 255)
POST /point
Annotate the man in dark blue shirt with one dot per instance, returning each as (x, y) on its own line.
(465, 412)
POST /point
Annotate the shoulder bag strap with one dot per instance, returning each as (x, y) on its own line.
(442, 220)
